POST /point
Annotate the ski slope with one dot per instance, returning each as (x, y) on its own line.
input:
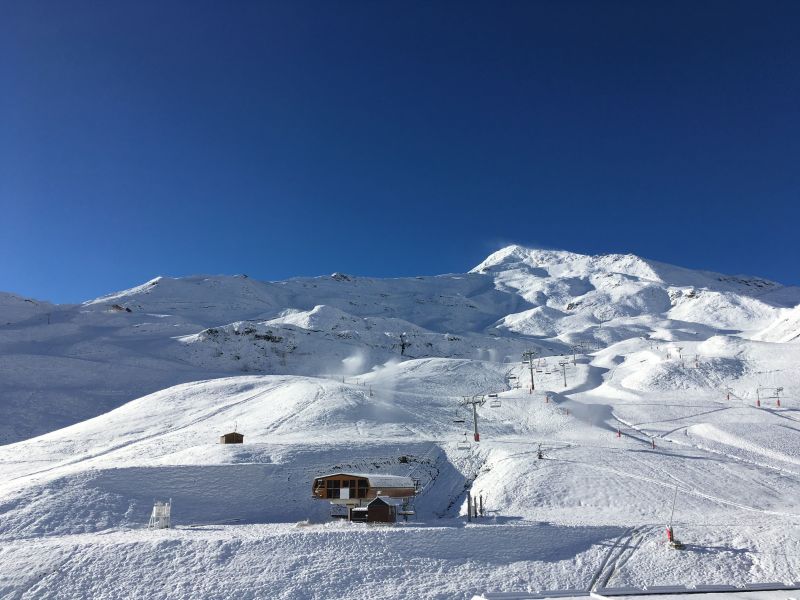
(127, 396)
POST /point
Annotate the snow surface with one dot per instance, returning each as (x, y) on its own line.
(121, 400)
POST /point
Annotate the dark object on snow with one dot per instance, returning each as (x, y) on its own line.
(231, 438)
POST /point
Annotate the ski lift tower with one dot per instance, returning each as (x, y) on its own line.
(527, 359)
(575, 348)
(476, 401)
(563, 364)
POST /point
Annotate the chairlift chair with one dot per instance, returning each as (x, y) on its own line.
(464, 444)
(495, 403)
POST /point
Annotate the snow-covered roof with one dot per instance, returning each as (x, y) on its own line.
(377, 480)
(389, 500)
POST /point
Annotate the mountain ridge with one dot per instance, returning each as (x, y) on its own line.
(157, 333)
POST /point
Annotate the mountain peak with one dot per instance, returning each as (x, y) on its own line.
(515, 256)
(562, 262)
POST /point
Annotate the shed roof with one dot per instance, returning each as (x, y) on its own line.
(377, 480)
(387, 500)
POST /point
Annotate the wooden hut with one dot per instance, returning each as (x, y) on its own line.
(231, 438)
(379, 510)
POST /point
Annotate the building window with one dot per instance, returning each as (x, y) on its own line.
(333, 486)
(362, 488)
(348, 488)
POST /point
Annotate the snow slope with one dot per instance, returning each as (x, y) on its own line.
(129, 393)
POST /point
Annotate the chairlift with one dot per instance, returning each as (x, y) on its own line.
(464, 444)
(459, 421)
(495, 403)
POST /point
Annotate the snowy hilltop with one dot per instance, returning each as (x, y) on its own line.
(643, 382)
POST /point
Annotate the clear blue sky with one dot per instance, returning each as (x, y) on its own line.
(391, 138)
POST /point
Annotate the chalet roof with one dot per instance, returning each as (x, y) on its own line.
(377, 480)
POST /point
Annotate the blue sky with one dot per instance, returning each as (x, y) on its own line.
(391, 138)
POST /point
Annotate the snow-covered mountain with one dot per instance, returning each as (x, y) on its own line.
(63, 364)
(648, 379)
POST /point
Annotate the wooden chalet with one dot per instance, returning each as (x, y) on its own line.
(368, 497)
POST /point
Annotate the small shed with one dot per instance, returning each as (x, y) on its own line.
(231, 438)
(380, 510)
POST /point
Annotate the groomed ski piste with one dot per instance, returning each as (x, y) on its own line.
(672, 381)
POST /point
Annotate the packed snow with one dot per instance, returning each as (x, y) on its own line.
(652, 382)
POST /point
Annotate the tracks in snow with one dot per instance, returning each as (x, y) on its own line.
(296, 410)
(620, 553)
(199, 419)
